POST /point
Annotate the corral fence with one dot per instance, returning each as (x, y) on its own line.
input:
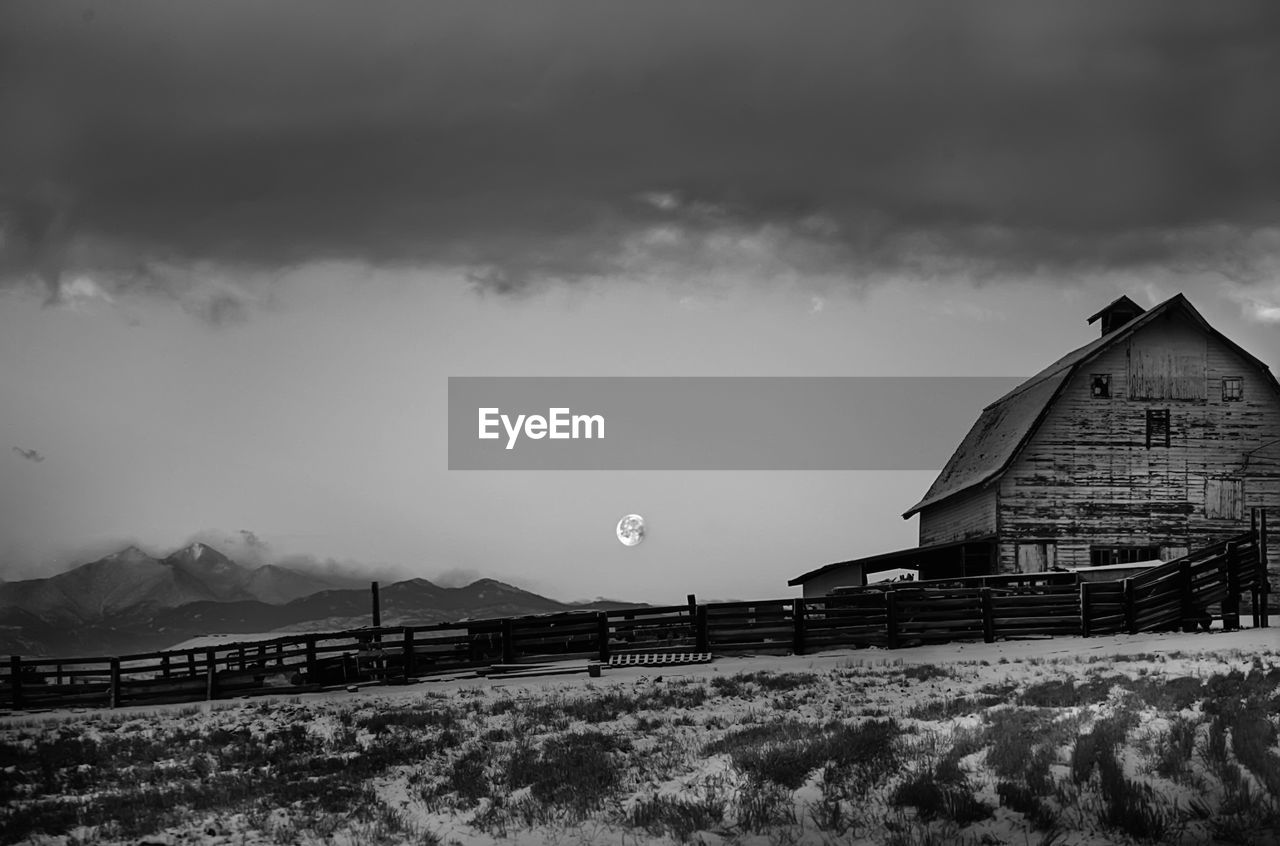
(1173, 595)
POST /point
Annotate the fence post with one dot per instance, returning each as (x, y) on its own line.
(797, 622)
(1231, 605)
(1264, 586)
(114, 697)
(1254, 540)
(693, 616)
(602, 635)
(1130, 613)
(15, 680)
(701, 635)
(508, 641)
(408, 654)
(1184, 588)
(164, 665)
(191, 663)
(988, 617)
(891, 617)
(210, 675)
(313, 667)
(1084, 608)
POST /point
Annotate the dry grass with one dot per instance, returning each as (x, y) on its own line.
(1068, 752)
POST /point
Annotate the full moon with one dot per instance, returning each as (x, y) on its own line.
(631, 529)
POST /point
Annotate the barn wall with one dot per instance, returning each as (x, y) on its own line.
(1087, 476)
(969, 515)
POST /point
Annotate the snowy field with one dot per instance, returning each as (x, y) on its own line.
(1167, 738)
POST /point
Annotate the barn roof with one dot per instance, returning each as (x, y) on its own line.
(994, 440)
(889, 560)
(1006, 425)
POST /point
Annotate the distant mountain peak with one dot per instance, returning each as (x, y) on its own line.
(196, 549)
(486, 582)
(419, 582)
(200, 552)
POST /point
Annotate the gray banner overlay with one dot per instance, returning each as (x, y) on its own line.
(713, 423)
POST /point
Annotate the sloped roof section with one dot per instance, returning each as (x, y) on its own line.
(889, 560)
(994, 440)
(1006, 424)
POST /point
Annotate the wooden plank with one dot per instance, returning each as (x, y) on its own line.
(1010, 622)
(759, 604)
(643, 611)
(851, 631)
(844, 613)
(652, 650)
(818, 644)
(749, 619)
(852, 622)
(1070, 600)
(1036, 602)
(719, 634)
(537, 636)
(755, 647)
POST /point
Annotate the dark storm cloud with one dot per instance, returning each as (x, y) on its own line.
(29, 454)
(541, 139)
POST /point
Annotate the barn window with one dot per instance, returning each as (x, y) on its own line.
(1156, 374)
(1232, 389)
(1100, 385)
(1104, 556)
(1036, 557)
(1224, 499)
(1157, 427)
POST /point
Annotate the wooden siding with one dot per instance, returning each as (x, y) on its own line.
(1087, 477)
(971, 514)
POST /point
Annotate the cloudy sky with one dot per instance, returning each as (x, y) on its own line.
(243, 245)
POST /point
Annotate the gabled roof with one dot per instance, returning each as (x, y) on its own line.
(1006, 425)
(1121, 303)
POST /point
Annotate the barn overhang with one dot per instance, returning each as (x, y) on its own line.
(968, 557)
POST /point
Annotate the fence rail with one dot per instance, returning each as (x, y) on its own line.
(1172, 595)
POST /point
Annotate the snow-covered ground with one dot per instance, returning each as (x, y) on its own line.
(907, 746)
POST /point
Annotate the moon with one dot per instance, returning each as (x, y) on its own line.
(631, 530)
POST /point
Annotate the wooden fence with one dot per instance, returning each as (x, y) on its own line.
(1173, 595)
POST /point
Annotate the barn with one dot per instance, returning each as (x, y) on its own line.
(1159, 436)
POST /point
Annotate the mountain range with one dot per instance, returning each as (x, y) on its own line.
(132, 602)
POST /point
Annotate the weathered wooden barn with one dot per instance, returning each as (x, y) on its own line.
(1157, 437)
